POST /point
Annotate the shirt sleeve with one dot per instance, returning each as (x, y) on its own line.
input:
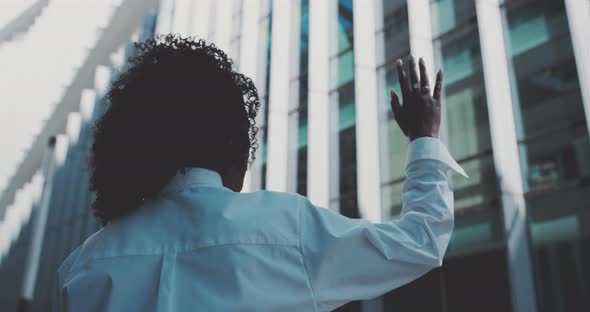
(350, 259)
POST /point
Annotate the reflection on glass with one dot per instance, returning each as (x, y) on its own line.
(465, 99)
(304, 37)
(345, 31)
(555, 152)
(548, 94)
(396, 34)
(449, 14)
(343, 68)
(477, 211)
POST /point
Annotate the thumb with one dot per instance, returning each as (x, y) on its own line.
(396, 107)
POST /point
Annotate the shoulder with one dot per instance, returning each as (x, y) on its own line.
(275, 196)
(277, 214)
(274, 202)
(78, 258)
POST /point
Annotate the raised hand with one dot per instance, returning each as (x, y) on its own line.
(419, 115)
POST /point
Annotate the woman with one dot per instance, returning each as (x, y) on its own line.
(168, 163)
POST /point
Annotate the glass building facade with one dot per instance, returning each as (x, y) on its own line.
(515, 117)
(554, 150)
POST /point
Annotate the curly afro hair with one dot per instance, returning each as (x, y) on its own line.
(178, 105)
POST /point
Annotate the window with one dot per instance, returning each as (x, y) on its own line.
(347, 202)
(298, 115)
(451, 14)
(554, 149)
(477, 210)
(342, 97)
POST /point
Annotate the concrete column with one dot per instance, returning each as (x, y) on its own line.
(367, 119)
(199, 25)
(249, 66)
(578, 15)
(164, 23)
(277, 177)
(367, 112)
(294, 96)
(318, 152)
(181, 17)
(420, 28)
(223, 24)
(506, 157)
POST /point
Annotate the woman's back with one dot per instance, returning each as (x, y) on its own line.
(199, 247)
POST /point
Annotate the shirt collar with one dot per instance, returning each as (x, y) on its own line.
(193, 177)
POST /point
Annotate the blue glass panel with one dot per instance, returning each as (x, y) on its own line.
(449, 14)
(345, 20)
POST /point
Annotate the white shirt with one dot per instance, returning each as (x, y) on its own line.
(202, 247)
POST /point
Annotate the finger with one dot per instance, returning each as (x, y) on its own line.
(403, 81)
(424, 83)
(414, 80)
(438, 85)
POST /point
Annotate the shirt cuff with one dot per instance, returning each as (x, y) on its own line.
(432, 148)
